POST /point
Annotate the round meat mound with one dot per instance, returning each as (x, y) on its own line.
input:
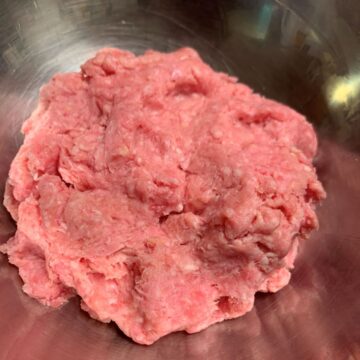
(161, 192)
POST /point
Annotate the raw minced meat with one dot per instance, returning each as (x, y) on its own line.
(161, 192)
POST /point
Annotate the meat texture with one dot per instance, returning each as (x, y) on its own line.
(161, 192)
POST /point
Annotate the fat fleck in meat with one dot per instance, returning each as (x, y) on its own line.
(163, 193)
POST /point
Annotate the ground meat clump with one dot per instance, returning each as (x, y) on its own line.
(161, 192)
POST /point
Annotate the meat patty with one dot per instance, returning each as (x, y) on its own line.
(161, 192)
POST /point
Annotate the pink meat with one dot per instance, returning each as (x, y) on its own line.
(163, 193)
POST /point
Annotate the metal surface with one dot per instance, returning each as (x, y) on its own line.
(303, 53)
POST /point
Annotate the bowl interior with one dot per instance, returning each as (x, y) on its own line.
(302, 54)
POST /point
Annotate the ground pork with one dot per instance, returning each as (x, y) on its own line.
(161, 192)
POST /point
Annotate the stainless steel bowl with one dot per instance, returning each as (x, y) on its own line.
(303, 53)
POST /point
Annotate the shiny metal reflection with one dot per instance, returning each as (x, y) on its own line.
(303, 53)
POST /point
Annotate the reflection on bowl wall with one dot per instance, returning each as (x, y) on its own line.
(302, 53)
